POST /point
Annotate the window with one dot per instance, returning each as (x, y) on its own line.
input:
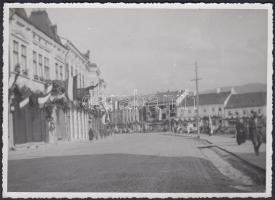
(213, 109)
(56, 71)
(259, 111)
(67, 71)
(204, 110)
(35, 70)
(220, 109)
(47, 68)
(40, 65)
(35, 37)
(23, 57)
(79, 75)
(15, 53)
(61, 72)
(244, 112)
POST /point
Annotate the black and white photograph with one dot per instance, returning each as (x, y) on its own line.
(137, 100)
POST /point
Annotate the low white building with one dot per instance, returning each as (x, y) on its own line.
(241, 105)
(212, 104)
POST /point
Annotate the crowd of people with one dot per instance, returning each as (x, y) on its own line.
(253, 128)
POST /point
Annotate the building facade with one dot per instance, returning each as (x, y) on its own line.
(34, 48)
(241, 105)
(37, 54)
(210, 105)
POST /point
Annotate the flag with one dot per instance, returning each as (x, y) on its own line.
(42, 100)
(49, 88)
(59, 96)
(116, 105)
(92, 87)
(103, 118)
(24, 102)
(181, 97)
(74, 85)
(160, 114)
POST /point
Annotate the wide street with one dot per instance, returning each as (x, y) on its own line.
(155, 162)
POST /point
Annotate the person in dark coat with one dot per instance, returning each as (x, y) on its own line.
(91, 134)
(240, 131)
(254, 134)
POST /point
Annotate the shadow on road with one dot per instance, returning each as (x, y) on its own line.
(116, 173)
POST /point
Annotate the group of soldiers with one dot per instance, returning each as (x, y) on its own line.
(252, 128)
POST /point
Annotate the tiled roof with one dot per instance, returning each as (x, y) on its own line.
(207, 99)
(21, 13)
(41, 21)
(247, 100)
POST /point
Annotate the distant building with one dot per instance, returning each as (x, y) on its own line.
(125, 112)
(241, 105)
(162, 105)
(210, 104)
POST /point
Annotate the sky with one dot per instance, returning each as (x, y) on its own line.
(156, 49)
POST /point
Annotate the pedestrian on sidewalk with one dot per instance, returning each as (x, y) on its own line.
(254, 133)
(240, 137)
(91, 134)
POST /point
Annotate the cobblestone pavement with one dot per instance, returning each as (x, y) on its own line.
(121, 163)
(244, 151)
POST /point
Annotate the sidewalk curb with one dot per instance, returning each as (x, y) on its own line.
(244, 160)
(35, 145)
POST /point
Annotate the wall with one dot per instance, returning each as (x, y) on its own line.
(245, 112)
(204, 111)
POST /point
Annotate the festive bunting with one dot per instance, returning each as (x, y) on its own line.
(24, 102)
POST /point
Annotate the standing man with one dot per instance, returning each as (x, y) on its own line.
(240, 131)
(254, 134)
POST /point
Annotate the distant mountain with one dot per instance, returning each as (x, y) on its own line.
(247, 88)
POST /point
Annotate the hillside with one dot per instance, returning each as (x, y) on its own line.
(247, 88)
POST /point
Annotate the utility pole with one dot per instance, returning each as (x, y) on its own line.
(197, 98)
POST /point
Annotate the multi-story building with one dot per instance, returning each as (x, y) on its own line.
(37, 54)
(34, 48)
(241, 105)
(76, 64)
(210, 104)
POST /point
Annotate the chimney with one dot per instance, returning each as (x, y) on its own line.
(218, 90)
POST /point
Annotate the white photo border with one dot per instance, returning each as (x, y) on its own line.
(269, 107)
